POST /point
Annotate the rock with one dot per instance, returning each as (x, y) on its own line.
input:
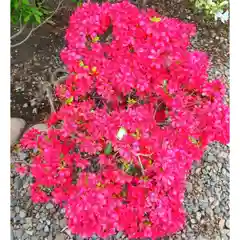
(119, 235)
(198, 170)
(62, 223)
(198, 216)
(50, 237)
(22, 214)
(18, 233)
(221, 224)
(17, 209)
(227, 224)
(34, 238)
(217, 210)
(18, 183)
(17, 126)
(43, 234)
(40, 127)
(49, 206)
(29, 232)
(48, 222)
(60, 236)
(46, 229)
(39, 226)
(200, 237)
(211, 158)
(189, 187)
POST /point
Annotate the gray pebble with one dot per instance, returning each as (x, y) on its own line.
(30, 232)
(221, 223)
(18, 233)
(211, 158)
(189, 187)
(228, 224)
(46, 229)
(40, 226)
(49, 206)
(60, 236)
(119, 235)
(17, 209)
(22, 214)
(43, 234)
(217, 210)
(62, 223)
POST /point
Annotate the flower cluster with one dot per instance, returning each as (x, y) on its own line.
(137, 110)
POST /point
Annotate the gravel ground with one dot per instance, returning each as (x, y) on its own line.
(207, 195)
(206, 202)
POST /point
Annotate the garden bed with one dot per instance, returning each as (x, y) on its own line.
(207, 196)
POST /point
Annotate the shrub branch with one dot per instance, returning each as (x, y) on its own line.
(34, 28)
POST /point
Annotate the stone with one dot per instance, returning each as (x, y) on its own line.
(17, 126)
(18, 233)
(221, 223)
(62, 223)
(22, 214)
(34, 238)
(46, 229)
(217, 210)
(50, 237)
(198, 216)
(119, 235)
(60, 236)
(227, 224)
(211, 158)
(39, 226)
(189, 187)
(28, 220)
(49, 206)
(29, 232)
(200, 237)
(40, 127)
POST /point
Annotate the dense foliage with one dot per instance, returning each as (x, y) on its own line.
(27, 11)
(137, 110)
(213, 9)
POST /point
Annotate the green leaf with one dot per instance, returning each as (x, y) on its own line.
(25, 2)
(108, 149)
(27, 18)
(37, 12)
(16, 4)
(37, 18)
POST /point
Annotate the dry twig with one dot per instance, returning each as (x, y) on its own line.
(34, 29)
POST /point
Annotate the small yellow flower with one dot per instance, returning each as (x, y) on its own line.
(131, 101)
(150, 161)
(194, 141)
(69, 100)
(95, 39)
(145, 178)
(147, 222)
(155, 19)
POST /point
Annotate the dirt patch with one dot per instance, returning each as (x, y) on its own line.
(29, 63)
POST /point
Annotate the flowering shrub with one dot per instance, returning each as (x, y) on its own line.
(137, 110)
(214, 8)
